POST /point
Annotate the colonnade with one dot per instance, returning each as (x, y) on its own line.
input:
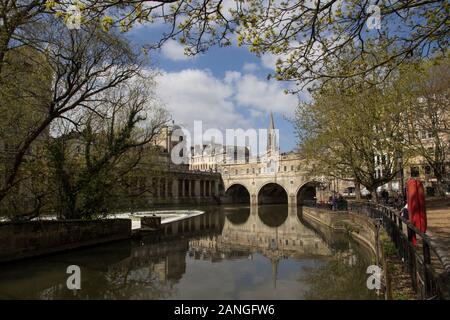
(184, 188)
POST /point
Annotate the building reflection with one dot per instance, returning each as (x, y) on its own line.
(152, 267)
(232, 233)
(281, 236)
(273, 231)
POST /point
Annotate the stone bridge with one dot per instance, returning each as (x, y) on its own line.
(271, 230)
(254, 183)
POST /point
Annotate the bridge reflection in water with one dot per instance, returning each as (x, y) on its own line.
(233, 252)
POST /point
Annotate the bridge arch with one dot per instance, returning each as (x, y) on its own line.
(307, 192)
(237, 215)
(273, 216)
(237, 193)
(272, 193)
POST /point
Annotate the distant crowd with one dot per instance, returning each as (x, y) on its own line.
(337, 201)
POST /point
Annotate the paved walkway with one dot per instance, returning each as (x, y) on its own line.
(438, 216)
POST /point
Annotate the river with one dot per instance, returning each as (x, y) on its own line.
(230, 252)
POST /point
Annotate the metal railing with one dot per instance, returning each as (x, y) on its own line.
(430, 276)
(338, 206)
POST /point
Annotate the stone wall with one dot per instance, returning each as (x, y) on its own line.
(361, 228)
(29, 239)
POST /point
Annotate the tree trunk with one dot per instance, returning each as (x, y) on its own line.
(10, 179)
(374, 195)
(440, 185)
(357, 190)
(440, 188)
(5, 38)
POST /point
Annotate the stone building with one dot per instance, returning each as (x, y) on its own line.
(169, 183)
(274, 177)
(24, 95)
(418, 167)
(209, 157)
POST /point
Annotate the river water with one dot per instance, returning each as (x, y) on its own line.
(230, 252)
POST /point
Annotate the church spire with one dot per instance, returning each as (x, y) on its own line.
(271, 123)
(271, 137)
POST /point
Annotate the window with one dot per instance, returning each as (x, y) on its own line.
(292, 168)
(415, 172)
(285, 168)
(427, 135)
(350, 190)
(378, 174)
(427, 169)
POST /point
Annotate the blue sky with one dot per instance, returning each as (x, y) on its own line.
(224, 88)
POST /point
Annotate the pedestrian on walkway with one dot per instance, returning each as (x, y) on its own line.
(404, 212)
(334, 203)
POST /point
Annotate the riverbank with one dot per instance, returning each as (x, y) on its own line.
(237, 252)
(166, 216)
(397, 283)
(20, 240)
(46, 235)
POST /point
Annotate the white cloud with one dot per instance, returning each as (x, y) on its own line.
(231, 76)
(174, 51)
(250, 67)
(264, 95)
(257, 113)
(269, 60)
(194, 94)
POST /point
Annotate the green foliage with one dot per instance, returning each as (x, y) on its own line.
(305, 35)
(345, 128)
(426, 99)
(398, 295)
(90, 162)
(354, 130)
(338, 279)
(387, 245)
(85, 90)
(24, 93)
